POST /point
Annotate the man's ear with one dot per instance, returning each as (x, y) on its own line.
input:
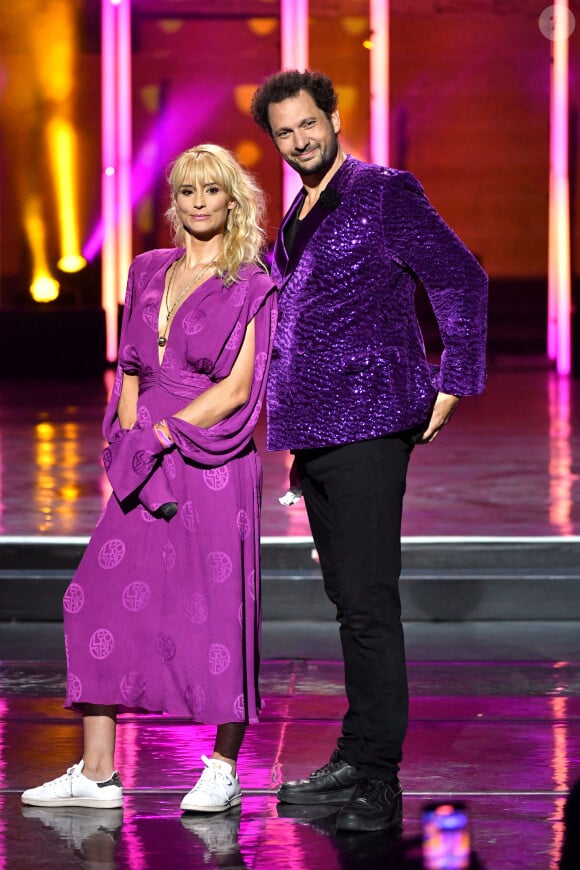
(335, 121)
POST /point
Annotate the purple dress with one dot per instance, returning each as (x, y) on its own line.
(164, 615)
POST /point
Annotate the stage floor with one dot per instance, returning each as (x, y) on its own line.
(502, 736)
(507, 465)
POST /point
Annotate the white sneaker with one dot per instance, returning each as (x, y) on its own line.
(73, 789)
(216, 790)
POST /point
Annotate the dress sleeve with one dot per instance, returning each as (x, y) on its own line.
(453, 279)
(111, 425)
(220, 443)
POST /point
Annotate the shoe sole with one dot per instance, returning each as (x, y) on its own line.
(199, 808)
(329, 798)
(112, 804)
(355, 824)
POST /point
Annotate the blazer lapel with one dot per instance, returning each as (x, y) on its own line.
(285, 264)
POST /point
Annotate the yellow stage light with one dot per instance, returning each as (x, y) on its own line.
(72, 263)
(44, 289)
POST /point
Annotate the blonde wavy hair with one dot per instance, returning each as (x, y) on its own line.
(244, 236)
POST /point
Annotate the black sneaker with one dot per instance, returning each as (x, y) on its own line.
(331, 784)
(375, 805)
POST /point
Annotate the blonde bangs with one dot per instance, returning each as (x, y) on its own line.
(200, 167)
(244, 235)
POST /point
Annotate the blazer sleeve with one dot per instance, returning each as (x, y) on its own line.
(455, 283)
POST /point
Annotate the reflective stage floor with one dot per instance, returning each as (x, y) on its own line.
(495, 721)
(502, 738)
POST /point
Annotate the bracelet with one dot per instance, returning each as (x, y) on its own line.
(163, 433)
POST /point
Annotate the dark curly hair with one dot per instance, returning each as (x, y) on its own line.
(283, 85)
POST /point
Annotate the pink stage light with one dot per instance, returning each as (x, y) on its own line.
(294, 55)
(116, 156)
(559, 264)
(379, 81)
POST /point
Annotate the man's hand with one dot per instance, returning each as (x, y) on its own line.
(442, 413)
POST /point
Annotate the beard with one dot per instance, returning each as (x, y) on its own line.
(320, 163)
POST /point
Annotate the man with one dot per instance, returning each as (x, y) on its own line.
(350, 392)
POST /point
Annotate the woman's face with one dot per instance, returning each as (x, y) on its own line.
(203, 208)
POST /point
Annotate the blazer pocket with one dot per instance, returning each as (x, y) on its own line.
(359, 361)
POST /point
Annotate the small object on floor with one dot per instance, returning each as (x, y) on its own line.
(375, 805)
(217, 789)
(74, 789)
(331, 784)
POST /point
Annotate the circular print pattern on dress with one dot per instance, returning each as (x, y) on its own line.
(196, 608)
(170, 359)
(166, 647)
(143, 461)
(251, 586)
(240, 708)
(107, 457)
(74, 687)
(243, 524)
(144, 416)
(194, 322)
(133, 686)
(216, 479)
(238, 295)
(169, 465)
(255, 416)
(169, 556)
(195, 699)
(219, 566)
(111, 554)
(234, 339)
(101, 644)
(136, 596)
(189, 516)
(145, 515)
(219, 659)
(150, 316)
(74, 598)
(260, 365)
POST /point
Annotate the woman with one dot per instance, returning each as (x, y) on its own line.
(163, 612)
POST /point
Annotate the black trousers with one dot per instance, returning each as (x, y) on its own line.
(354, 497)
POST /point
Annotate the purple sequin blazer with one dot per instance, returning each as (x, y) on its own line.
(349, 360)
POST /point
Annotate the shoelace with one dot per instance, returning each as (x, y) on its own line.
(211, 779)
(329, 767)
(65, 779)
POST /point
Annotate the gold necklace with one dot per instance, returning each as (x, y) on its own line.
(162, 340)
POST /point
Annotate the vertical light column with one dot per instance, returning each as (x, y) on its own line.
(294, 55)
(116, 156)
(379, 82)
(559, 265)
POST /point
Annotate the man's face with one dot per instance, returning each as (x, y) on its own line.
(304, 136)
